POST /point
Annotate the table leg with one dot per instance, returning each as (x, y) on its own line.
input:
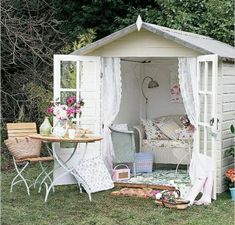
(63, 165)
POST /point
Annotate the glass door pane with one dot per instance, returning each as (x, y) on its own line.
(68, 74)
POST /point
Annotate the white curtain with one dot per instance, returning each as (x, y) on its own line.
(187, 70)
(111, 99)
(188, 86)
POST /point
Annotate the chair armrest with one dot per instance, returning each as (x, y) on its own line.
(141, 134)
(121, 131)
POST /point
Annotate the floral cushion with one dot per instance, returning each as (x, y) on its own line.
(152, 130)
(165, 143)
(94, 175)
(184, 134)
(136, 192)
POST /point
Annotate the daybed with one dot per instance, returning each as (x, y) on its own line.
(166, 151)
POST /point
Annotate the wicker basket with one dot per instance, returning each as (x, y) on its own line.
(23, 147)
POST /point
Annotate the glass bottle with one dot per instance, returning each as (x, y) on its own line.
(45, 128)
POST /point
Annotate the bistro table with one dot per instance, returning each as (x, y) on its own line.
(64, 163)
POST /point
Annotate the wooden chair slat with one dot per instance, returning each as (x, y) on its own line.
(21, 131)
(20, 135)
(38, 159)
(19, 126)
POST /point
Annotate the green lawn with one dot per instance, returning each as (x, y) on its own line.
(68, 206)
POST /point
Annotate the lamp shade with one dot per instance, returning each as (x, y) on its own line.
(153, 84)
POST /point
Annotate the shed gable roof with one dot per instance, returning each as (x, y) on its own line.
(199, 43)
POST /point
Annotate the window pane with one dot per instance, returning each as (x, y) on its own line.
(209, 142)
(68, 74)
(201, 139)
(64, 95)
(202, 107)
(202, 76)
(209, 78)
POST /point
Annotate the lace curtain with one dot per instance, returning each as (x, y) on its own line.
(187, 69)
(111, 100)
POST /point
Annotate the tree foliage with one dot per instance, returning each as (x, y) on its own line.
(213, 18)
(34, 30)
(30, 36)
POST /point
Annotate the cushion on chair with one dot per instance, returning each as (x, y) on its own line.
(166, 143)
(169, 128)
(152, 130)
(123, 126)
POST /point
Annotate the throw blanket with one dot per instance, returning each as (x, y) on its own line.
(202, 177)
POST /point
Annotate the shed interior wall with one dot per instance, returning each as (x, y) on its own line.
(132, 106)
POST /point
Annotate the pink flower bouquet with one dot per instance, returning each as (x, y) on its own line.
(67, 111)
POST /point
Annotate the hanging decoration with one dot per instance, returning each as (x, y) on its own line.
(175, 95)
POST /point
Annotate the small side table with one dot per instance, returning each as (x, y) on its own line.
(64, 164)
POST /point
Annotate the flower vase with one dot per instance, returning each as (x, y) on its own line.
(60, 128)
(232, 191)
(45, 128)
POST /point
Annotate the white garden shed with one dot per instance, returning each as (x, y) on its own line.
(110, 72)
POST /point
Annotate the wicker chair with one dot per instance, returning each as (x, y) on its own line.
(24, 151)
(124, 146)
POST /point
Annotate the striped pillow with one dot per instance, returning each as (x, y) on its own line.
(152, 131)
(169, 127)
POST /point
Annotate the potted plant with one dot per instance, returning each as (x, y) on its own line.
(230, 178)
(230, 174)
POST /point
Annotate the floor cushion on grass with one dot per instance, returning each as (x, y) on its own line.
(94, 175)
(136, 192)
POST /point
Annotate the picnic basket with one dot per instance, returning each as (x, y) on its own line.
(23, 147)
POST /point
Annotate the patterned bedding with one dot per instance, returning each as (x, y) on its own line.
(166, 143)
(179, 180)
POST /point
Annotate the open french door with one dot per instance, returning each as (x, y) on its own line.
(79, 76)
(207, 73)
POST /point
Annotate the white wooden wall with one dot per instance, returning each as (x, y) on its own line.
(143, 44)
(228, 118)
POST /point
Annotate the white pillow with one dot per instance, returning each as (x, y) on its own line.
(169, 128)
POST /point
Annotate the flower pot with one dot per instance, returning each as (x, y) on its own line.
(232, 190)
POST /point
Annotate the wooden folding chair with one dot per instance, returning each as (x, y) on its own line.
(23, 152)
